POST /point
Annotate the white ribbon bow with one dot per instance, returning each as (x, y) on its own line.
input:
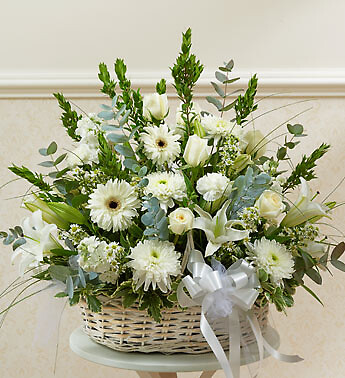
(225, 294)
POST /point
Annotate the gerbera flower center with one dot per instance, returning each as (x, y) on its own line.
(161, 143)
(114, 204)
(154, 254)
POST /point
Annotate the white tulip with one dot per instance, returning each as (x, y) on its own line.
(197, 151)
(181, 220)
(156, 106)
(270, 204)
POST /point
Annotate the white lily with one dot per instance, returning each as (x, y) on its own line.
(304, 209)
(219, 229)
(39, 241)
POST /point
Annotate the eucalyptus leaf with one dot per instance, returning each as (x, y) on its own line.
(70, 287)
(296, 129)
(52, 148)
(142, 172)
(314, 275)
(221, 77)
(43, 151)
(124, 118)
(218, 89)
(338, 251)
(18, 243)
(338, 264)
(60, 159)
(117, 138)
(59, 272)
(47, 164)
(107, 115)
(82, 277)
(215, 102)
(124, 150)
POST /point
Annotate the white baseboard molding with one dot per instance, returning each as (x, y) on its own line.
(285, 84)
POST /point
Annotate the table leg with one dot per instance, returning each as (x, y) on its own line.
(207, 374)
(147, 374)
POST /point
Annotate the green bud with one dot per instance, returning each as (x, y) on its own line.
(198, 129)
(241, 162)
(68, 213)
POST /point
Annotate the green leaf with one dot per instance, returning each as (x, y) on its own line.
(338, 264)
(281, 153)
(221, 77)
(228, 107)
(18, 243)
(47, 164)
(63, 252)
(106, 115)
(218, 89)
(338, 251)
(129, 299)
(214, 102)
(124, 150)
(61, 295)
(59, 272)
(93, 303)
(230, 81)
(43, 151)
(8, 240)
(314, 275)
(70, 286)
(161, 87)
(117, 138)
(108, 84)
(60, 159)
(312, 293)
(296, 129)
(79, 200)
(52, 148)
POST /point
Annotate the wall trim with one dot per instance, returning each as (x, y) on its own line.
(285, 83)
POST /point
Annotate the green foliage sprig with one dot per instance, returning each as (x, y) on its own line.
(245, 104)
(305, 168)
(186, 72)
(69, 117)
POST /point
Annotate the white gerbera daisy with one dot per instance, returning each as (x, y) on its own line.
(274, 259)
(153, 263)
(213, 186)
(166, 187)
(113, 205)
(160, 144)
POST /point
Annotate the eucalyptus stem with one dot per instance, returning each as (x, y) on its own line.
(189, 247)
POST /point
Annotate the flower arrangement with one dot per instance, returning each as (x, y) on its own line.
(121, 213)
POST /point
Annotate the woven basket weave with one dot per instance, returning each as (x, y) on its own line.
(131, 330)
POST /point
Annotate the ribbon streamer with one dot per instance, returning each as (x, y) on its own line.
(226, 295)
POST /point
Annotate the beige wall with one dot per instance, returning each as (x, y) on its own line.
(295, 46)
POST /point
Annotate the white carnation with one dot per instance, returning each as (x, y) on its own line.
(160, 144)
(166, 187)
(213, 186)
(219, 127)
(153, 263)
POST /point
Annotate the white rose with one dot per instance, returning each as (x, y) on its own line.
(256, 143)
(197, 151)
(270, 204)
(213, 186)
(181, 220)
(155, 105)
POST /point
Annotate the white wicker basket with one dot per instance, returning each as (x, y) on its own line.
(131, 330)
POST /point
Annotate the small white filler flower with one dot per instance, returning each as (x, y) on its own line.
(166, 187)
(273, 258)
(113, 205)
(160, 144)
(153, 262)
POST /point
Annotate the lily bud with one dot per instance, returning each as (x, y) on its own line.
(66, 212)
(48, 215)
